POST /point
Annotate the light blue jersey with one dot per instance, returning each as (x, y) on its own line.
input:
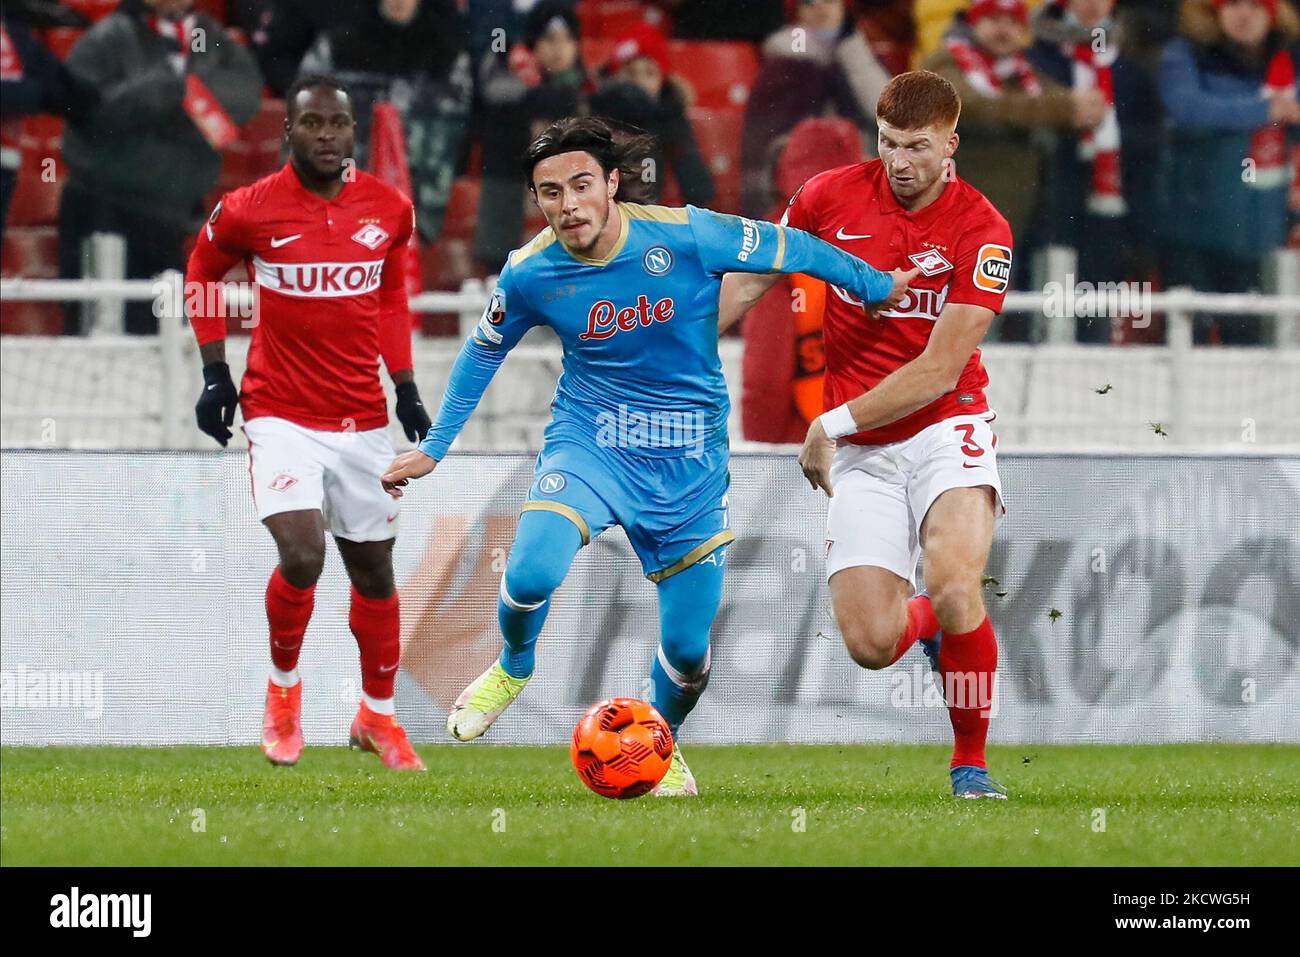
(639, 328)
(642, 379)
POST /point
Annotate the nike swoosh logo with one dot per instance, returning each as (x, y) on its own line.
(277, 243)
(384, 671)
(391, 518)
(967, 465)
(841, 234)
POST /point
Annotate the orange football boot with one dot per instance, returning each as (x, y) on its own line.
(381, 734)
(282, 724)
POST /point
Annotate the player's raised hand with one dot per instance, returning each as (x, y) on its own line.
(902, 279)
(409, 465)
(215, 410)
(815, 459)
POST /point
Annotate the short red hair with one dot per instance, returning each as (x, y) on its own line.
(919, 99)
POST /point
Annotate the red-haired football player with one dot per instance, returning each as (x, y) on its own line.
(326, 245)
(906, 451)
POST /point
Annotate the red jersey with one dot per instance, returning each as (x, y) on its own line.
(331, 279)
(962, 246)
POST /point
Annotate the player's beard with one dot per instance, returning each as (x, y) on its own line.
(587, 248)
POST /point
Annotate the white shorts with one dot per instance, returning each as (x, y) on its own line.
(883, 492)
(294, 468)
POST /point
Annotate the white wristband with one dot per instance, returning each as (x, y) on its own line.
(838, 422)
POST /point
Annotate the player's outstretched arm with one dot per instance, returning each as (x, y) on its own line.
(740, 291)
(734, 244)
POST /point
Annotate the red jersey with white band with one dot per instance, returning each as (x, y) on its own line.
(962, 246)
(332, 296)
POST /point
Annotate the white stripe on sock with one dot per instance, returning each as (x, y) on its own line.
(379, 705)
(517, 605)
(284, 679)
(688, 682)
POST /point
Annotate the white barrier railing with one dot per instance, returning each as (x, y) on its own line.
(1174, 379)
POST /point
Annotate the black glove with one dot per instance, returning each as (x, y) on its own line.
(410, 412)
(215, 409)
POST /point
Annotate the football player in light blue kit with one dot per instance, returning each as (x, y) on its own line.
(638, 436)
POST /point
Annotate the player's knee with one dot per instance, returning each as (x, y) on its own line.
(530, 581)
(687, 649)
(373, 582)
(958, 605)
(869, 645)
(301, 563)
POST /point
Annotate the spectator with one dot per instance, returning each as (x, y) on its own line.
(724, 19)
(817, 64)
(173, 89)
(1100, 194)
(413, 54)
(539, 81)
(639, 91)
(280, 32)
(1229, 86)
(1003, 101)
(32, 81)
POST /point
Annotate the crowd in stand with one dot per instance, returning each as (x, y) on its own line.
(1153, 138)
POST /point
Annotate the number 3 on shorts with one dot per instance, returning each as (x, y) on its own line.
(969, 445)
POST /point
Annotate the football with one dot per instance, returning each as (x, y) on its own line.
(621, 748)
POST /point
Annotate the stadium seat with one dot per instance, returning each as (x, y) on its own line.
(718, 133)
(31, 252)
(36, 196)
(462, 209)
(609, 18)
(446, 264)
(61, 40)
(596, 51)
(92, 10)
(720, 73)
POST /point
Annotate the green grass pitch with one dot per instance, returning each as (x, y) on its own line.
(857, 804)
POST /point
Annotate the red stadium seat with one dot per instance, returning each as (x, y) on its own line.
(92, 10)
(462, 209)
(596, 51)
(721, 73)
(213, 8)
(446, 264)
(61, 40)
(718, 133)
(32, 253)
(36, 194)
(609, 18)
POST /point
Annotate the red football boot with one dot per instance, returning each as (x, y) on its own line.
(282, 724)
(381, 734)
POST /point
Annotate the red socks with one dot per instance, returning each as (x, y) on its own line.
(376, 623)
(967, 663)
(921, 623)
(288, 609)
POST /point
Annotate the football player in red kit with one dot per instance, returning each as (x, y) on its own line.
(326, 245)
(906, 451)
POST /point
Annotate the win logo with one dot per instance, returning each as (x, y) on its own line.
(103, 910)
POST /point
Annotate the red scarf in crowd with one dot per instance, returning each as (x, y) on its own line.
(1268, 144)
(202, 106)
(987, 73)
(1100, 145)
